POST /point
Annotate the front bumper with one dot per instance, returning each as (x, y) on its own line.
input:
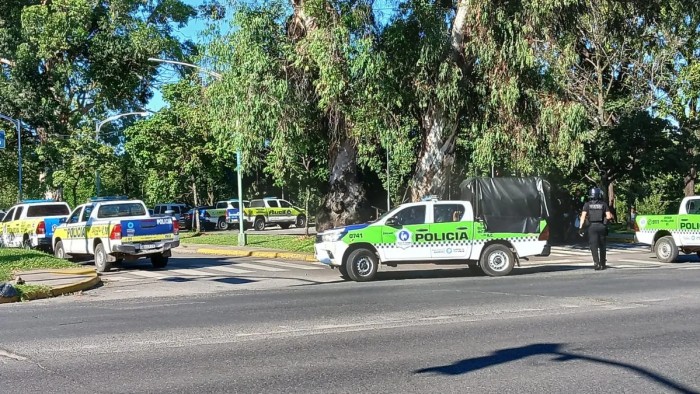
(330, 253)
(146, 248)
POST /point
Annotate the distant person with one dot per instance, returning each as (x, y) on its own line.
(632, 218)
(598, 214)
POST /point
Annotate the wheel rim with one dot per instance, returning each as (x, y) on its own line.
(259, 224)
(363, 266)
(498, 260)
(99, 259)
(59, 252)
(664, 250)
(301, 222)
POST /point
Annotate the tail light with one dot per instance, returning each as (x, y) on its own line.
(176, 227)
(116, 232)
(41, 228)
(544, 235)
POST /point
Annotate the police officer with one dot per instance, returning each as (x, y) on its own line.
(598, 214)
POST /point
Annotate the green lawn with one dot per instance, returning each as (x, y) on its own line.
(620, 228)
(14, 260)
(292, 243)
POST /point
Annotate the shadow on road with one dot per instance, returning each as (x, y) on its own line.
(557, 350)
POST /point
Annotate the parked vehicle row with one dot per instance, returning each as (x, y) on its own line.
(109, 229)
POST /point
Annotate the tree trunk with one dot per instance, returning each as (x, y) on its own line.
(439, 125)
(306, 209)
(195, 211)
(341, 205)
(689, 179)
(436, 155)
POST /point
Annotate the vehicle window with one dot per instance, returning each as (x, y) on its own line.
(157, 209)
(120, 210)
(693, 207)
(86, 213)
(411, 215)
(9, 215)
(285, 204)
(220, 205)
(35, 211)
(18, 212)
(273, 203)
(75, 215)
(445, 213)
(175, 209)
(257, 204)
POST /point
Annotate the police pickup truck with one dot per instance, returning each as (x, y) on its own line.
(669, 234)
(115, 229)
(273, 210)
(31, 223)
(493, 237)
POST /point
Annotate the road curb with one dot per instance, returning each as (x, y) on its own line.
(86, 284)
(91, 281)
(307, 257)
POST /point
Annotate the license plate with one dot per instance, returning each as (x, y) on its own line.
(148, 246)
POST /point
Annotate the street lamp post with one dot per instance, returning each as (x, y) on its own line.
(18, 126)
(98, 126)
(241, 212)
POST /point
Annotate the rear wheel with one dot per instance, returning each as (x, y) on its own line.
(59, 251)
(666, 249)
(497, 260)
(159, 261)
(362, 265)
(101, 263)
(221, 224)
(259, 224)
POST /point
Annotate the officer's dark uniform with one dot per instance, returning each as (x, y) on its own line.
(596, 210)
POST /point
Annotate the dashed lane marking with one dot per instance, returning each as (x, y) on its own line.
(227, 269)
(290, 265)
(259, 267)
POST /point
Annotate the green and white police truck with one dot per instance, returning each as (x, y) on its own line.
(669, 234)
(497, 222)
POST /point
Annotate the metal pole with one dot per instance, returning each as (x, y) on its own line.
(241, 216)
(19, 156)
(388, 193)
(97, 170)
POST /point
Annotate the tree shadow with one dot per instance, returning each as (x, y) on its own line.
(554, 349)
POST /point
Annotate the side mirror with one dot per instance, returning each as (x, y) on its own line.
(392, 222)
(61, 220)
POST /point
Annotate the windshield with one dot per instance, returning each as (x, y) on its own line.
(385, 214)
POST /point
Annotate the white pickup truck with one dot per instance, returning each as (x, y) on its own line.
(113, 230)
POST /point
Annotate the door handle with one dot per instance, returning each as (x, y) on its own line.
(422, 230)
(462, 228)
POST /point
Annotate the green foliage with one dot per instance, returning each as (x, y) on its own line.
(290, 243)
(13, 260)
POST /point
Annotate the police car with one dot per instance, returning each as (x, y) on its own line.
(429, 231)
(113, 229)
(31, 223)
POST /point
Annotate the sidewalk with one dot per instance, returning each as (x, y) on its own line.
(58, 282)
(244, 251)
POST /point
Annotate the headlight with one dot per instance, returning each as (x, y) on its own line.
(333, 236)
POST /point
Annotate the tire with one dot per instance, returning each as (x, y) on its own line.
(159, 261)
(301, 221)
(666, 250)
(361, 265)
(259, 224)
(101, 263)
(284, 226)
(497, 260)
(26, 243)
(58, 250)
(344, 272)
(221, 224)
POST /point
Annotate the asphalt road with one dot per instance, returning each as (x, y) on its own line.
(616, 331)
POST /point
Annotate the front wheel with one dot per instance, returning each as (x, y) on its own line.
(666, 249)
(101, 263)
(497, 260)
(159, 261)
(361, 265)
(301, 221)
(344, 272)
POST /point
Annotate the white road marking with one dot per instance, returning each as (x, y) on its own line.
(12, 356)
(300, 266)
(227, 269)
(259, 267)
(192, 272)
(116, 278)
(571, 252)
(554, 261)
(150, 274)
(641, 261)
